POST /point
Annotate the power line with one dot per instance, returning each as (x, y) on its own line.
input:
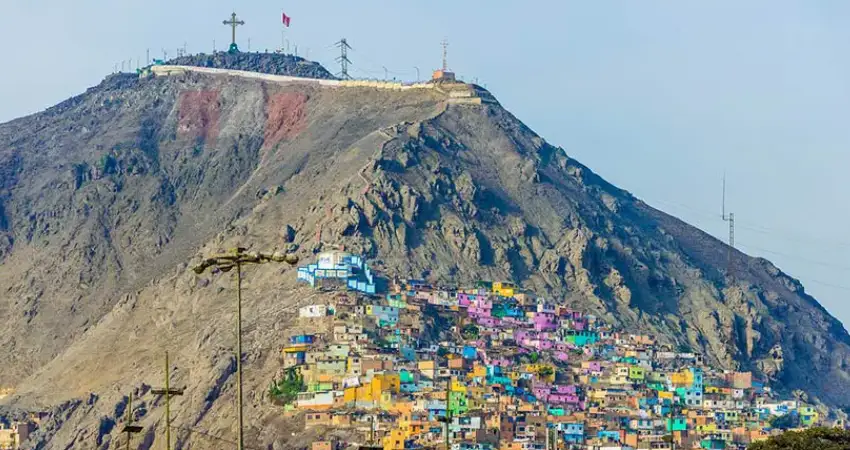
(823, 283)
(800, 258)
(750, 226)
(210, 436)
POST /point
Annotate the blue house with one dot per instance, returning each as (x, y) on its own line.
(302, 339)
(573, 432)
(339, 269)
(608, 435)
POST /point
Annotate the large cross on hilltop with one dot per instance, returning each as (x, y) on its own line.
(233, 22)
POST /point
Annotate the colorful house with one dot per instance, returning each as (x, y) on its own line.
(339, 269)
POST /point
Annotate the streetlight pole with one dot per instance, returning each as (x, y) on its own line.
(225, 262)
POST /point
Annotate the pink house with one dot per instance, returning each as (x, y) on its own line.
(565, 389)
(557, 399)
(487, 321)
(561, 347)
(544, 322)
(540, 392)
(521, 335)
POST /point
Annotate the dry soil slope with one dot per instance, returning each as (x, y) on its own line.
(106, 197)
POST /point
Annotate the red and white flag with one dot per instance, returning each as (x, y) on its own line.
(286, 20)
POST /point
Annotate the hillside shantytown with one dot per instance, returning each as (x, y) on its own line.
(492, 366)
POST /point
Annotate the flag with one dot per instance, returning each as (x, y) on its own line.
(286, 20)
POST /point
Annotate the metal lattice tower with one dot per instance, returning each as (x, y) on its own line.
(445, 44)
(731, 219)
(342, 59)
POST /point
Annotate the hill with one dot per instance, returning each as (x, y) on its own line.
(106, 199)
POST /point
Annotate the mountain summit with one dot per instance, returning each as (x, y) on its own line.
(107, 198)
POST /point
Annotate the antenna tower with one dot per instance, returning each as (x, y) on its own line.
(342, 59)
(445, 44)
(731, 219)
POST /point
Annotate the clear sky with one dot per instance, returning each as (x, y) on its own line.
(659, 97)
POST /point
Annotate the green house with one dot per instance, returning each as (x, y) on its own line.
(637, 373)
(405, 376)
(581, 338)
(677, 424)
(656, 386)
(458, 403)
(320, 387)
(712, 444)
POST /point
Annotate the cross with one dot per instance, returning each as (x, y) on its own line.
(233, 24)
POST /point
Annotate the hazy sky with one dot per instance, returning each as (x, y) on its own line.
(659, 97)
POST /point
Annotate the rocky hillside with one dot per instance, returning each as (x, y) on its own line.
(271, 63)
(106, 199)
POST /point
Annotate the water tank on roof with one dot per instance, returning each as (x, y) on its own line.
(329, 260)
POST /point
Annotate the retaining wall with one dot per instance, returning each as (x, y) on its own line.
(458, 93)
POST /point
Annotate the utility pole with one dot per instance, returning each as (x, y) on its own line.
(386, 73)
(167, 392)
(129, 428)
(226, 262)
(342, 59)
(417, 74)
(147, 57)
(448, 409)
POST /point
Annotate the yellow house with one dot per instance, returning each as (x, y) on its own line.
(395, 439)
(707, 428)
(373, 391)
(427, 368)
(685, 378)
(504, 289)
(478, 371)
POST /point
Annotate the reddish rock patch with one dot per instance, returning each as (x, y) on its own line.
(286, 117)
(199, 115)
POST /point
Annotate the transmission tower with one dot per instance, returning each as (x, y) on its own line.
(342, 59)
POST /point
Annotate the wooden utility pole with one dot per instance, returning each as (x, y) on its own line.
(226, 262)
(167, 392)
(129, 428)
(448, 409)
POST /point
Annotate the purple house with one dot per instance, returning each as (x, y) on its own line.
(541, 392)
(565, 389)
(545, 322)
